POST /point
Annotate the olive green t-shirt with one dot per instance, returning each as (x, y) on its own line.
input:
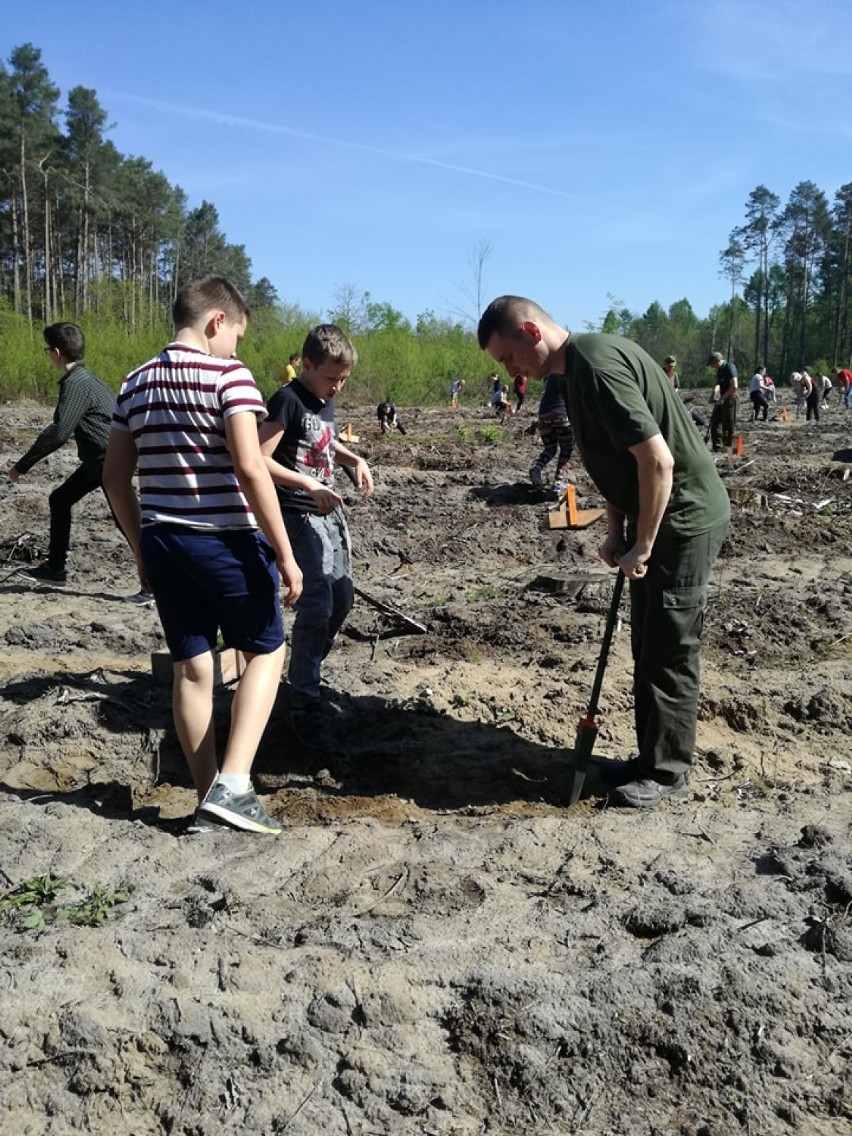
(618, 397)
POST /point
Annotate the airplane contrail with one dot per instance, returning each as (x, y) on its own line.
(275, 128)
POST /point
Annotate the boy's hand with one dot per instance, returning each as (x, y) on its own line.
(363, 477)
(291, 574)
(326, 500)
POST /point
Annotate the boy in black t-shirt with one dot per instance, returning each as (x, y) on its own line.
(299, 442)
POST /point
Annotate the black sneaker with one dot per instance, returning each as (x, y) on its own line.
(644, 793)
(309, 722)
(44, 574)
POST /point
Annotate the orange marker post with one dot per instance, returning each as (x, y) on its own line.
(571, 505)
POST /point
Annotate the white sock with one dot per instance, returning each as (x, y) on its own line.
(235, 782)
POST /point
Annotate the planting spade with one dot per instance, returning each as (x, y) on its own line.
(588, 728)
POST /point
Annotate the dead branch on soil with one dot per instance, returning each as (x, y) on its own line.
(299, 1108)
(18, 544)
(397, 882)
(66, 1053)
(411, 625)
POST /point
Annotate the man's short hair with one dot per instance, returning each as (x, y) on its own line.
(327, 342)
(200, 295)
(505, 315)
(715, 357)
(67, 339)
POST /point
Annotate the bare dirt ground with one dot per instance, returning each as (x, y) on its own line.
(437, 944)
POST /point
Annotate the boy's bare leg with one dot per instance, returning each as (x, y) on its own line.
(253, 701)
(192, 709)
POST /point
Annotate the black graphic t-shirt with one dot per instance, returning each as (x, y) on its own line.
(307, 444)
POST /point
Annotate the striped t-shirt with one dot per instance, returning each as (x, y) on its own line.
(175, 407)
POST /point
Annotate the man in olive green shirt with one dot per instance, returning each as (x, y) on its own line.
(84, 409)
(667, 516)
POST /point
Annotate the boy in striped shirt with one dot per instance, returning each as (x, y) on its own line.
(207, 534)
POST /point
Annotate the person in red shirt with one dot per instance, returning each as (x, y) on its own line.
(844, 379)
(520, 388)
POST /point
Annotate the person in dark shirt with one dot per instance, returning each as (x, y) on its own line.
(84, 409)
(667, 515)
(299, 441)
(724, 414)
(387, 416)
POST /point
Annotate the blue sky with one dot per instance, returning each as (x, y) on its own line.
(597, 146)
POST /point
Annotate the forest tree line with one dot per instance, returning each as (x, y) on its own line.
(104, 239)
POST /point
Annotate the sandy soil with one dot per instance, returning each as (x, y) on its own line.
(437, 944)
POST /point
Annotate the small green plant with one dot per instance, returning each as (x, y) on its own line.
(503, 714)
(482, 592)
(32, 900)
(464, 432)
(94, 909)
(490, 434)
(438, 599)
(34, 894)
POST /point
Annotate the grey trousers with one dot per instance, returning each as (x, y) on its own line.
(323, 550)
(667, 617)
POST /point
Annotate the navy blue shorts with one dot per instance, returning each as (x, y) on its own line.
(204, 582)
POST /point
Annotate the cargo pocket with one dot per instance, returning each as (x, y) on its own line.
(683, 609)
(685, 599)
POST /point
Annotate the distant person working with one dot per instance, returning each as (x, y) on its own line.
(757, 392)
(291, 370)
(670, 368)
(388, 418)
(844, 382)
(456, 387)
(723, 417)
(557, 437)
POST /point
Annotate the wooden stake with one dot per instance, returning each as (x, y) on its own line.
(566, 515)
(346, 434)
